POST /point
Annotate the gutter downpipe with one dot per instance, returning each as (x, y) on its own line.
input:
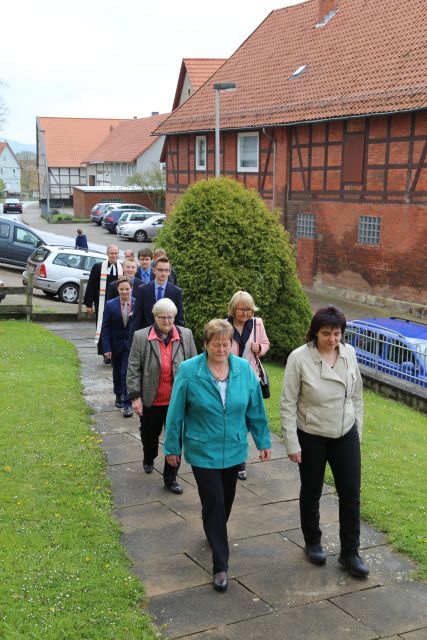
(273, 140)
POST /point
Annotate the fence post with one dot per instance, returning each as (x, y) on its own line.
(29, 296)
(80, 314)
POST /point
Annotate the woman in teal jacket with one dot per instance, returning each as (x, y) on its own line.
(216, 399)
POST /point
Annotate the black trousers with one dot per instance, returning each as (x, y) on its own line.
(151, 425)
(119, 360)
(217, 488)
(343, 455)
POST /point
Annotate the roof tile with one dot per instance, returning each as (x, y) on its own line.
(369, 58)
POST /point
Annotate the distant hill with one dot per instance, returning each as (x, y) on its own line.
(21, 146)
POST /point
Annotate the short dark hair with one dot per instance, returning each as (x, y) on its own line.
(123, 279)
(145, 252)
(326, 317)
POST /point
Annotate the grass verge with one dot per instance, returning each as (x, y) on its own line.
(64, 572)
(394, 468)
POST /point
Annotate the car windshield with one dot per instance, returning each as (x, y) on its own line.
(420, 346)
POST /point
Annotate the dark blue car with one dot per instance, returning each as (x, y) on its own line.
(394, 346)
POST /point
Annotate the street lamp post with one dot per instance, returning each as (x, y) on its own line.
(218, 87)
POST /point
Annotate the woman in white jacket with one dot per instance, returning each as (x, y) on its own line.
(322, 418)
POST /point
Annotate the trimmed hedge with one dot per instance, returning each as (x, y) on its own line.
(220, 238)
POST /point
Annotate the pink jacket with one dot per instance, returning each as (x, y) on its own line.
(261, 338)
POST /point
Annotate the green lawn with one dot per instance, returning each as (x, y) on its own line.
(64, 573)
(394, 469)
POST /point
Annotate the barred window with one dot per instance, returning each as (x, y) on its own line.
(369, 230)
(306, 225)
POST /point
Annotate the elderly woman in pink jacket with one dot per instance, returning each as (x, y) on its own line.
(250, 340)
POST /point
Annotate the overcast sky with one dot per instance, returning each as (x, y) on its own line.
(111, 59)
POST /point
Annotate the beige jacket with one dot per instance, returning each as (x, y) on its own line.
(318, 399)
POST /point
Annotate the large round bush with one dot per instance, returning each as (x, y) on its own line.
(221, 237)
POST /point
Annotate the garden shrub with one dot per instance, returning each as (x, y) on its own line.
(220, 238)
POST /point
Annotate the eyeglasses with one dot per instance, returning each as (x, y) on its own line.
(166, 318)
(162, 270)
(243, 310)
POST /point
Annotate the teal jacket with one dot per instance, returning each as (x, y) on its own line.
(214, 437)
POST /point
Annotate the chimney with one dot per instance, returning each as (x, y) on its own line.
(155, 113)
(135, 117)
(325, 8)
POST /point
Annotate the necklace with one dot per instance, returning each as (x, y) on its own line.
(221, 376)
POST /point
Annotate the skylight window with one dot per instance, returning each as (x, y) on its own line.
(298, 71)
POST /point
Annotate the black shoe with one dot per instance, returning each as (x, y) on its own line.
(315, 553)
(119, 402)
(127, 412)
(107, 360)
(220, 581)
(148, 468)
(354, 565)
(174, 487)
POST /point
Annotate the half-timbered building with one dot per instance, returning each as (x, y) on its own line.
(328, 122)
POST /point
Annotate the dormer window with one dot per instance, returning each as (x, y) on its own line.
(298, 71)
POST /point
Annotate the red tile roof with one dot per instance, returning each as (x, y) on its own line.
(3, 146)
(198, 70)
(371, 57)
(70, 140)
(127, 141)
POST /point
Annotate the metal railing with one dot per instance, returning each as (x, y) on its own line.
(389, 353)
(18, 309)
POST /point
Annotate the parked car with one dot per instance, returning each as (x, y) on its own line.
(392, 345)
(112, 216)
(98, 211)
(57, 270)
(12, 204)
(136, 216)
(142, 231)
(17, 241)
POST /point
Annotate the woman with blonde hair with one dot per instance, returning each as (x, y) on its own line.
(216, 401)
(250, 340)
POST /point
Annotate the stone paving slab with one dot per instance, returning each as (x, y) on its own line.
(420, 634)
(299, 582)
(193, 610)
(389, 610)
(131, 486)
(173, 573)
(121, 448)
(330, 537)
(319, 621)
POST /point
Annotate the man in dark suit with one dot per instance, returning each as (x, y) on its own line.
(129, 270)
(148, 295)
(115, 340)
(145, 271)
(92, 293)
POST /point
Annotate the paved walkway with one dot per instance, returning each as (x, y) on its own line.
(274, 593)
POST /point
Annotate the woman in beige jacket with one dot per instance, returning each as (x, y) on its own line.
(322, 418)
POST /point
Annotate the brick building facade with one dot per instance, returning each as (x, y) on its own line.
(341, 151)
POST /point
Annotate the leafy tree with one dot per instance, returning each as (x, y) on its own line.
(2, 187)
(28, 163)
(154, 180)
(221, 237)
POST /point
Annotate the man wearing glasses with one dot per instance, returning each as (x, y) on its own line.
(157, 351)
(148, 294)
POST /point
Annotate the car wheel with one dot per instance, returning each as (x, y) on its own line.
(140, 236)
(69, 293)
(110, 230)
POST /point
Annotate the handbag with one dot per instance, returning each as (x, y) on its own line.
(262, 374)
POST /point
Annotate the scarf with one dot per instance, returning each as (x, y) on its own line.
(244, 337)
(105, 268)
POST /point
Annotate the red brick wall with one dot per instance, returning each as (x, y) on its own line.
(84, 201)
(395, 267)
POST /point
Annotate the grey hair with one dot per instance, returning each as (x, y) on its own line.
(165, 305)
